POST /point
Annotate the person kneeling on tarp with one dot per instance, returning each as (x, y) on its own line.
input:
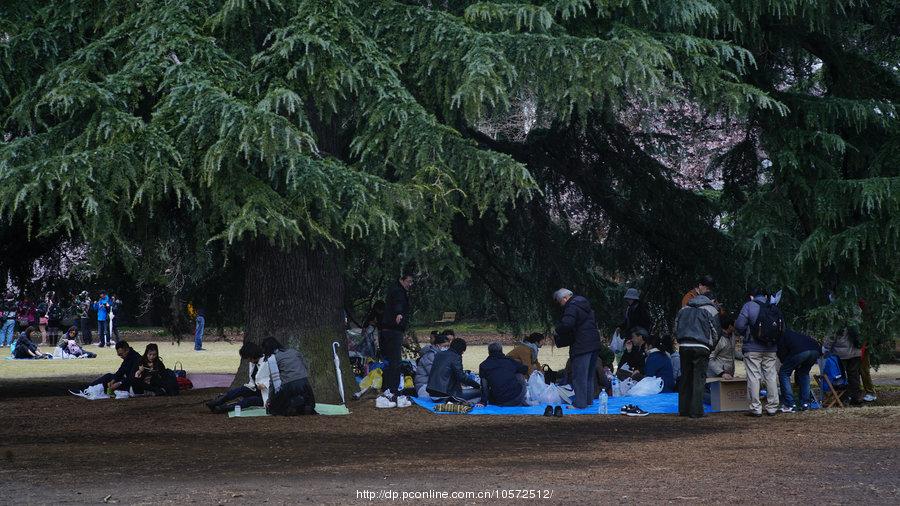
(251, 393)
(289, 373)
(122, 378)
(26, 348)
(447, 375)
(502, 379)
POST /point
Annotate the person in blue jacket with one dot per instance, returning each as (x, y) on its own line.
(658, 363)
(797, 353)
(102, 307)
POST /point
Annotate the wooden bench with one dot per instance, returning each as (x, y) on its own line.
(447, 318)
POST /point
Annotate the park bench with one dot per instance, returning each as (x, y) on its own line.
(447, 317)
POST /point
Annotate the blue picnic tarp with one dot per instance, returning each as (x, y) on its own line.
(658, 404)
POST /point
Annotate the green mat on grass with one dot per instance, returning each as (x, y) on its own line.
(322, 409)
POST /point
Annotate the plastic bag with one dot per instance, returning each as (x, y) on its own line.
(650, 385)
(618, 344)
(626, 386)
(536, 392)
(565, 394)
(373, 379)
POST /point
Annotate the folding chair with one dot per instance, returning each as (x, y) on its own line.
(830, 394)
(832, 391)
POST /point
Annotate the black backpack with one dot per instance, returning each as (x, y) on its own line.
(769, 325)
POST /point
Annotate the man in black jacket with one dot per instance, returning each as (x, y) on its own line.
(122, 378)
(578, 330)
(394, 322)
(447, 374)
(502, 379)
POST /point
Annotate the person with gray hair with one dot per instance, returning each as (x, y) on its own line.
(502, 379)
(578, 330)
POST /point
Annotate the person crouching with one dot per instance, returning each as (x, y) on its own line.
(292, 394)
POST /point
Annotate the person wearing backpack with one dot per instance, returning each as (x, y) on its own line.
(697, 330)
(761, 324)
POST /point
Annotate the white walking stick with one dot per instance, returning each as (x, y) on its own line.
(337, 369)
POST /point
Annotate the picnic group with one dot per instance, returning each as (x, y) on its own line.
(704, 345)
(637, 362)
(66, 323)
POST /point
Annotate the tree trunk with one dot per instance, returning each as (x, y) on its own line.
(296, 297)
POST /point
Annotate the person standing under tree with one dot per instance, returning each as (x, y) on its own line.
(102, 308)
(394, 323)
(200, 320)
(8, 333)
(578, 330)
(116, 307)
(83, 308)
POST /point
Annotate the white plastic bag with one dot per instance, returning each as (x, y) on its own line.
(618, 344)
(626, 386)
(565, 393)
(650, 385)
(537, 389)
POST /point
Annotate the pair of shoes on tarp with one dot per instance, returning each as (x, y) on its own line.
(632, 410)
(553, 411)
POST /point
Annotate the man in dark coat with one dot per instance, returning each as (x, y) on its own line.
(502, 379)
(578, 330)
(447, 374)
(394, 322)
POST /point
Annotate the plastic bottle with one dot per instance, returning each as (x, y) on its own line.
(604, 403)
(237, 410)
(616, 388)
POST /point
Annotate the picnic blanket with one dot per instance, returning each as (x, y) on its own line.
(322, 409)
(658, 404)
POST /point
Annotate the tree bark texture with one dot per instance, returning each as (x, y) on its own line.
(296, 296)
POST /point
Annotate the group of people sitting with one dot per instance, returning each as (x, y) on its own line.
(138, 374)
(69, 346)
(278, 381)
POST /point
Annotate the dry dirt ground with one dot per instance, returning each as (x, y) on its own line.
(62, 449)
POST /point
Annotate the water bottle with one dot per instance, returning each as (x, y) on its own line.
(604, 402)
(616, 388)
(237, 410)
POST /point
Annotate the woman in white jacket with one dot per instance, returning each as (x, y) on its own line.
(252, 393)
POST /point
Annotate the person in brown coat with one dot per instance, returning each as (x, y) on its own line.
(526, 352)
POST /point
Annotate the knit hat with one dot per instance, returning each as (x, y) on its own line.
(632, 294)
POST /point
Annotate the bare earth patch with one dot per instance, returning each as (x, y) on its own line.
(172, 450)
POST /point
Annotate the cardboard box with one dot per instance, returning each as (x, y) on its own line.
(728, 395)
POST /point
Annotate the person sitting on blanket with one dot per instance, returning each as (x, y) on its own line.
(291, 392)
(152, 377)
(502, 379)
(527, 352)
(122, 378)
(439, 343)
(657, 363)
(632, 360)
(447, 375)
(26, 348)
(70, 343)
(249, 394)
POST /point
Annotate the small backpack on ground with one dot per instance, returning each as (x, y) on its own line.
(769, 325)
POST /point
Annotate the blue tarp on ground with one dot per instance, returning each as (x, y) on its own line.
(659, 403)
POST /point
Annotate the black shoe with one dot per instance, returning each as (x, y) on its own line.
(213, 404)
(632, 410)
(771, 413)
(222, 409)
(754, 414)
(557, 411)
(548, 411)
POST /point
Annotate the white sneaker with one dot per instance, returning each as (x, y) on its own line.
(383, 402)
(403, 402)
(870, 398)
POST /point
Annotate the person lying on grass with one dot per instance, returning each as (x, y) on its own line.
(252, 393)
(122, 378)
(26, 348)
(152, 377)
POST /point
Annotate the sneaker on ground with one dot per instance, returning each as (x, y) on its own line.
(632, 410)
(870, 398)
(403, 402)
(787, 409)
(383, 402)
